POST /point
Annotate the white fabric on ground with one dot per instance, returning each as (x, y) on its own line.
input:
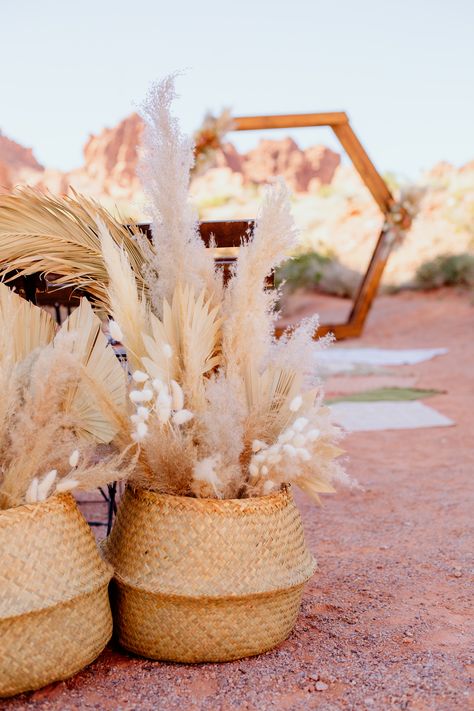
(373, 416)
(339, 359)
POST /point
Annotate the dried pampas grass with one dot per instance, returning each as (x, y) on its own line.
(221, 409)
(178, 257)
(248, 305)
(61, 393)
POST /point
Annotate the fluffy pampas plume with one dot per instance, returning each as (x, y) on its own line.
(222, 409)
(63, 394)
(248, 304)
(179, 255)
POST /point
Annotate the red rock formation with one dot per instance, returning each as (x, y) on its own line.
(282, 157)
(110, 162)
(17, 164)
(16, 157)
(5, 178)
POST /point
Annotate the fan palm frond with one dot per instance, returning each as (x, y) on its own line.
(95, 398)
(269, 395)
(191, 327)
(23, 326)
(40, 233)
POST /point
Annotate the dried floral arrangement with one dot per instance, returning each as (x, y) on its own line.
(221, 409)
(63, 399)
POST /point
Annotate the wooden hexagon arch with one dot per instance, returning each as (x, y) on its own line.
(228, 234)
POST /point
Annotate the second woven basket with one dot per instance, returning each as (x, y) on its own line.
(205, 579)
(55, 615)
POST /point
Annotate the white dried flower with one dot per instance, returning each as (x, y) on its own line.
(264, 470)
(164, 414)
(299, 440)
(312, 435)
(204, 471)
(253, 469)
(182, 416)
(300, 424)
(157, 384)
(289, 450)
(142, 430)
(31, 496)
(274, 458)
(66, 485)
(74, 459)
(296, 403)
(143, 412)
(303, 454)
(141, 395)
(268, 486)
(177, 395)
(164, 399)
(115, 331)
(257, 445)
(286, 436)
(44, 486)
(167, 350)
(139, 376)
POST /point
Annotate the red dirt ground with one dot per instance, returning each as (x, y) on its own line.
(387, 619)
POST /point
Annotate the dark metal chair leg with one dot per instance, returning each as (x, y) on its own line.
(112, 507)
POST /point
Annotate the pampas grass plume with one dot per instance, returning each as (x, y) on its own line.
(205, 477)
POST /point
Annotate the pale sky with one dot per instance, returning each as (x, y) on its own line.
(402, 70)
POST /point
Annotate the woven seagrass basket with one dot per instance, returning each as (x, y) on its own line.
(55, 615)
(205, 579)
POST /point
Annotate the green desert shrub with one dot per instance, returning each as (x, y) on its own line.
(316, 271)
(302, 271)
(446, 270)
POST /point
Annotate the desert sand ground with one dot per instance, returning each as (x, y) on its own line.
(387, 619)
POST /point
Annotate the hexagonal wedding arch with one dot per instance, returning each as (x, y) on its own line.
(228, 234)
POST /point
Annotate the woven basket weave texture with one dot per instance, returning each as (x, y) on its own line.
(206, 579)
(54, 612)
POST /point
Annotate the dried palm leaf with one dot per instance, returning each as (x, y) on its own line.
(269, 395)
(127, 303)
(59, 236)
(23, 326)
(93, 400)
(313, 486)
(191, 327)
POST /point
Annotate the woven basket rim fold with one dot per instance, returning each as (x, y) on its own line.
(56, 606)
(174, 597)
